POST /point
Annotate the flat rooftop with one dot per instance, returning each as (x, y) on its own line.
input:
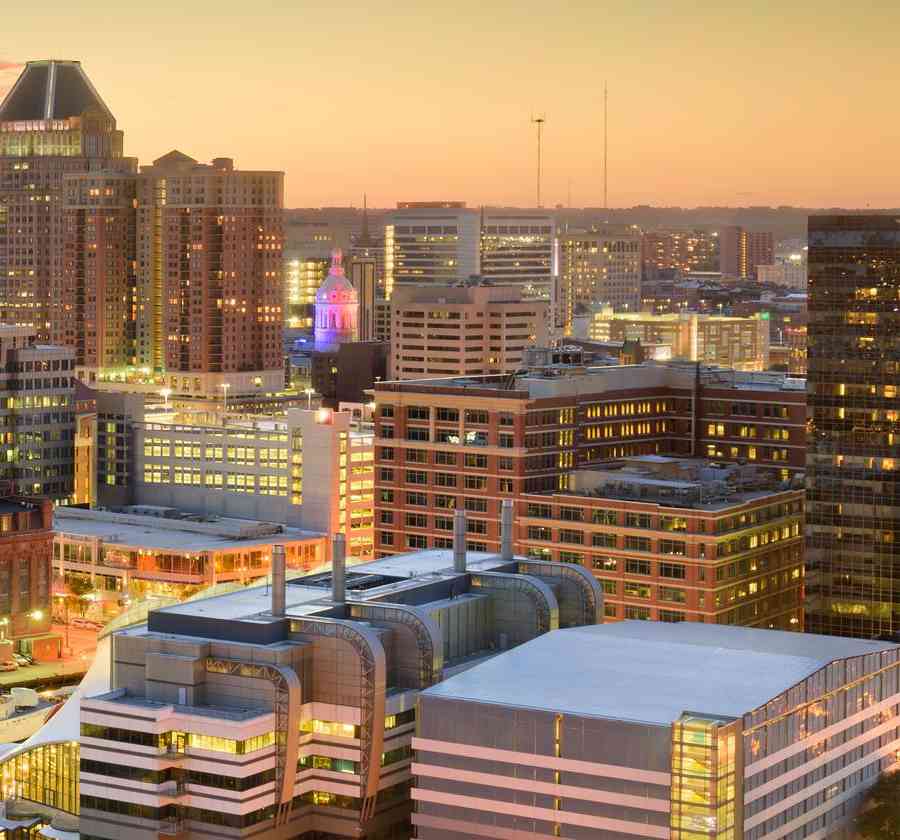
(651, 672)
(181, 536)
(308, 594)
(562, 380)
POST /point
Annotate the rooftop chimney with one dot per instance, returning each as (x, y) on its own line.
(278, 582)
(506, 531)
(339, 569)
(459, 540)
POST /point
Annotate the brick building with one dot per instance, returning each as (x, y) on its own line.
(26, 546)
(677, 540)
(475, 441)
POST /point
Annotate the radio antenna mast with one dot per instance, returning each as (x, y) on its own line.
(539, 121)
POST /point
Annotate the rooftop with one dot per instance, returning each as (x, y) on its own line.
(51, 90)
(150, 528)
(651, 672)
(676, 482)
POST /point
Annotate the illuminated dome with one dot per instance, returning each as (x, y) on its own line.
(337, 307)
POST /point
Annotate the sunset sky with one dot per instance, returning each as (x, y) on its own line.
(710, 103)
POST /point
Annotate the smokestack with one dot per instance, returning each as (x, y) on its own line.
(339, 569)
(278, 582)
(506, 530)
(459, 540)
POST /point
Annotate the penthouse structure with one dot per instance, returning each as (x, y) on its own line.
(463, 330)
(471, 442)
(141, 552)
(646, 730)
(677, 539)
(277, 715)
(739, 343)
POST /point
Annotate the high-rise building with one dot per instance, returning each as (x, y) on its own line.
(95, 300)
(463, 330)
(681, 251)
(302, 278)
(661, 732)
(742, 251)
(598, 268)
(434, 243)
(518, 249)
(288, 711)
(363, 277)
(52, 122)
(37, 415)
(853, 449)
(189, 294)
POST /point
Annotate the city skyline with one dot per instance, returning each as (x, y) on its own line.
(417, 104)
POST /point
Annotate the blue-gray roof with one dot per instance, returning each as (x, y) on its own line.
(651, 672)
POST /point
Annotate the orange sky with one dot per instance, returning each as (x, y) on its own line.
(758, 102)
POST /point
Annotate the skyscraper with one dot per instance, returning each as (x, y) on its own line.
(432, 243)
(52, 122)
(517, 248)
(853, 493)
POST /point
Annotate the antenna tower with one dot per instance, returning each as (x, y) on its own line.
(539, 121)
(605, 148)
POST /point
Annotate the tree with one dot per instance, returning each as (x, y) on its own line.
(81, 588)
(880, 818)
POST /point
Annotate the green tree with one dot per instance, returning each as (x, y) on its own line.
(80, 588)
(880, 818)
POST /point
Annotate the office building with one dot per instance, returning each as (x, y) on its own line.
(853, 517)
(646, 730)
(672, 252)
(517, 249)
(471, 442)
(742, 251)
(739, 343)
(598, 268)
(26, 539)
(146, 552)
(469, 329)
(383, 325)
(193, 271)
(311, 469)
(37, 415)
(430, 243)
(52, 122)
(366, 247)
(363, 278)
(677, 539)
(347, 373)
(302, 278)
(787, 271)
(290, 712)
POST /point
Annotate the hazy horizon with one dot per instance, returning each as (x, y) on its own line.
(715, 105)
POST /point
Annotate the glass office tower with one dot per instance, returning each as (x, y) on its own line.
(853, 510)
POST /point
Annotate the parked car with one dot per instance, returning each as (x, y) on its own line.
(8, 665)
(22, 661)
(86, 623)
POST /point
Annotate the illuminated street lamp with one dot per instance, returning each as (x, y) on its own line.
(166, 393)
(309, 394)
(225, 386)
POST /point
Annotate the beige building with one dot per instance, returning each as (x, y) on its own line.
(739, 343)
(598, 268)
(462, 330)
